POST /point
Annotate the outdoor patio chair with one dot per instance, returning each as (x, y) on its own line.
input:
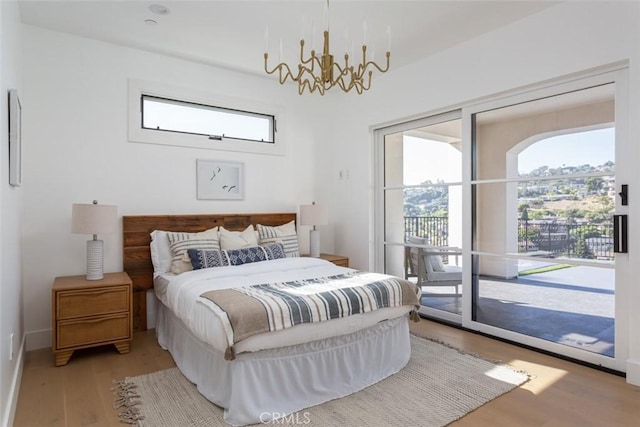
(427, 264)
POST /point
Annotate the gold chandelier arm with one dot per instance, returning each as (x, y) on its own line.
(382, 70)
(344, 73)
(306, 83)
(312, 55)
(283, 76)
(276, 68)
(366, 86)
(343, 85)
(315, 60)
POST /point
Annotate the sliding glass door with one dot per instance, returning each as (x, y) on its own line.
(503, 213)
(543, 195)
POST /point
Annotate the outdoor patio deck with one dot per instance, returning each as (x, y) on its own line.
(572, 306)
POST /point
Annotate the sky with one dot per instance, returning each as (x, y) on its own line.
(432, 160)
(592, 147)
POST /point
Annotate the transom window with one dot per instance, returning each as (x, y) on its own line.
(216, 123)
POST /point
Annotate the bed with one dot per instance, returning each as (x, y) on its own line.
(263, 374)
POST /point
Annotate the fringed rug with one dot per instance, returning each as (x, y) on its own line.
(438, 386)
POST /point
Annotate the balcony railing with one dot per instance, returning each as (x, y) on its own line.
(586, 241)
(434, 228)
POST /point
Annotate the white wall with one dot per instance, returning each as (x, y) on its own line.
(561, 40)
(75, 128)
(10, 221)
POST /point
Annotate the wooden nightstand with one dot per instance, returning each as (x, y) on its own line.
(340, 260)
(89, 313)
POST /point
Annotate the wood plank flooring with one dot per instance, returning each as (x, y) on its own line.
(560, 393)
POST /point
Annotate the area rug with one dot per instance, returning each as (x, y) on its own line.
(438, 386)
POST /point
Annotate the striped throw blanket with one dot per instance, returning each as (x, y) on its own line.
(251, 310)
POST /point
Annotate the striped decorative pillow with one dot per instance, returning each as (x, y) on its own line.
(285, 234)
(180, 242)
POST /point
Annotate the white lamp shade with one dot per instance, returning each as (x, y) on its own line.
(94, 219)
(313, 215)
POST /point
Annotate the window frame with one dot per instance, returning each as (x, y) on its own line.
(138, 134)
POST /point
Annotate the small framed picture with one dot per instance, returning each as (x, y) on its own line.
(15, 139)
(219, 180)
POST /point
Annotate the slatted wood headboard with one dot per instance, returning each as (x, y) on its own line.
(136, 254)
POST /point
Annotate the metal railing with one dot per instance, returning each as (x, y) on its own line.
(434, 228)
(586, 241)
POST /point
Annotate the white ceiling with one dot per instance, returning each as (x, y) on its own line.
(231, 34)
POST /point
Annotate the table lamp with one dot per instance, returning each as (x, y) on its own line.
(94, 219)
(314, 215)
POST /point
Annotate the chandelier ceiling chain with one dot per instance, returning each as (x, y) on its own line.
(319, 72)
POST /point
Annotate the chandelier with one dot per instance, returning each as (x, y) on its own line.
(319, 72)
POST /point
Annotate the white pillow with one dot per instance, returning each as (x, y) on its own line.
(418, 240)
(285, 234)
(238, 239)
(160, 252)
(435, 260)
(179, 242)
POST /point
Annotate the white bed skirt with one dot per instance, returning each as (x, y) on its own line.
(258, 387)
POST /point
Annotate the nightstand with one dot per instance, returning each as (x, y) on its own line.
(340, 260)
(89, 313)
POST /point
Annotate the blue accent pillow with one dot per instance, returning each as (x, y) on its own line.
(246, 255)
(208, 258)
(275, 250)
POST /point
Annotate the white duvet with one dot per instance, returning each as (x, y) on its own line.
(181, 294)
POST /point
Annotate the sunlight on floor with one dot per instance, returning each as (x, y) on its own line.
(541, 376)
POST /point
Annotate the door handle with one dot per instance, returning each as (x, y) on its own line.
(624, 195)
(620, 232)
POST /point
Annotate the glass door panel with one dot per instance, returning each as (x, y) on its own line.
(556, 301)
(543, 193)
(423, 212)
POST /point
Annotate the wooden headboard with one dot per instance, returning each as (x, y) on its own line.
(136, 254)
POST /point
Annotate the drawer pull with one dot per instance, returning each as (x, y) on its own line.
(98, 292)
(102, 319)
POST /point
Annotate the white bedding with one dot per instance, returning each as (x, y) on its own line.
(181, 293)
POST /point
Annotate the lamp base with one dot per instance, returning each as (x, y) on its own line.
(314, 243)
(95, 258)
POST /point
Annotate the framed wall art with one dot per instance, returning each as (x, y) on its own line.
(219, 180)
(15, 139)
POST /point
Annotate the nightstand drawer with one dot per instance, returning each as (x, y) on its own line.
(91, 302)
(74, 333)
(342, 262)
(339, 260)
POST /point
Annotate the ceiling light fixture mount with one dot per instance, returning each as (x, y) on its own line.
(319, 72)
(159, 9)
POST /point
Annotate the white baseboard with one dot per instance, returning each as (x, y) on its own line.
(38, 339)
(633, 371)
(14, 391)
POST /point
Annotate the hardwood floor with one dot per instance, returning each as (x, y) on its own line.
(79, 393)
(560, 393)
